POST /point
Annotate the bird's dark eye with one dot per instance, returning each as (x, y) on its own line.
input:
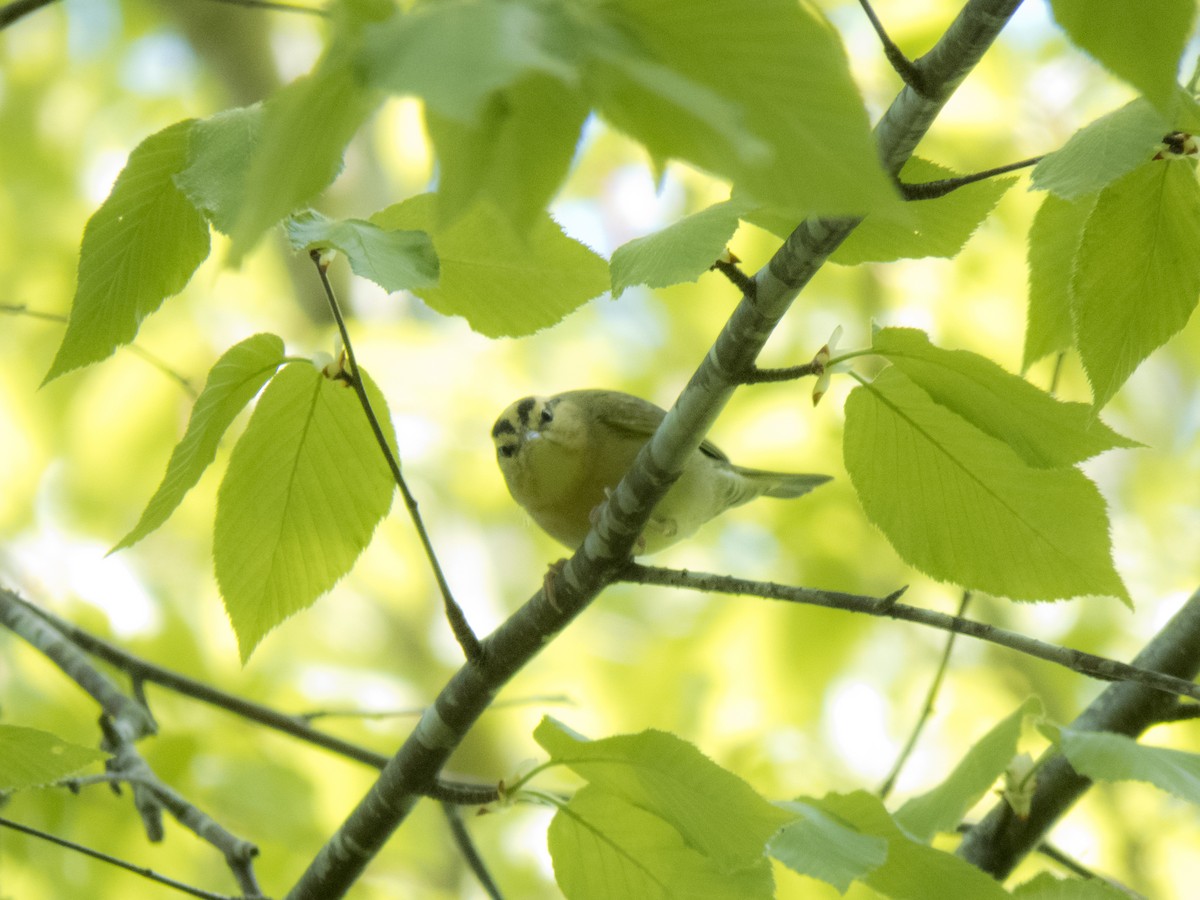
(547, 416)
(507, 450)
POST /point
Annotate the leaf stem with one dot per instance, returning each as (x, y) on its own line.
(466, 638)
(932, 190)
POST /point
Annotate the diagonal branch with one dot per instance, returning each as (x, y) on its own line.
(344, 857)
(1001, 840)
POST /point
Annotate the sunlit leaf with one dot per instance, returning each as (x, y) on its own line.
(235, 378)
(716, 812)
(1046, 887)
(139, 248)
(1044, 431)
(1054, 240)
(943, 808)
(502, 283)
(306, 486)
(29, 757)
(1138, 41)
(1103, 151)
(962, 507)
(1105, 756)
(820, 846)
(220, 149)
(912, 870)
(603, 846)
(683, 251)
(394, 260)
(1137, 278)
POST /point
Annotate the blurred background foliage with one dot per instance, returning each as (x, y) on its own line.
(796, 700)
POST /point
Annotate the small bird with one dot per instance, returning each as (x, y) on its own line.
(562, 456)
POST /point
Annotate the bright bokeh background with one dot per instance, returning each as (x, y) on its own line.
(796, 700)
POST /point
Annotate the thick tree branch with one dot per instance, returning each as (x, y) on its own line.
(1001, 840)
(416, 764)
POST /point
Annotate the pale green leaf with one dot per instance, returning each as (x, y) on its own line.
(604, 847)
(912, 870)
(456, 55)
(943, 808)
(937, 227)
(139, 248)
(1103, 151)
(1054, 240)
(1046, 887)
(1104, 756)
(502, 283)
(220, 149)
(1138, 41)
(394, 260)
(1045, 432)
(962, 507)
(717, 813)
(305, 488)
(306, 127)
(514, 154)
(680, 252)
(820, 846)
(706, 84)
(1137, 278)
(235, 378)
(29, 757)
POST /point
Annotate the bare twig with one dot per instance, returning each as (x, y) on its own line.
(1099, 667)
(470, 853)
(454, 614)
(19, 9)
(932, 190)
(114, 861)
(927, 709)
(730, 269)
(908, 71)
(273, 6)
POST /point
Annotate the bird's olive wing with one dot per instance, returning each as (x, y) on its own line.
(641, 418)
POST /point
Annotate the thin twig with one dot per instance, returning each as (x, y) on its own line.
(932, 190)
(730, 269)
(114, 861)
(470, 853)
(457, 618)
(138, 669)
(790, 373)
(926, 710)
(1098, 667)
(19, 9)
(414, 711)
(905, 67)
(278, 7)
(20, 309)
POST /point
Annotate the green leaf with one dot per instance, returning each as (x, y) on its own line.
(1046, 887)
(944, 807)
(937, 227)
(394, 260)
(29, 757)
(1045, 432)
(515, 154)
(1105, 150)
(235, 378)
(1136, 41)
(139, 248)
(604, 846)
(306, 127)
(1104, 756)
(502, 283)
(717, 813)
(707, 85)
(220, 150)
(912, 870)
(1054, 240)
(822, 847)
(305, 488)
(1137, 278)
(680, 252)
(456, 55)
(962, 507)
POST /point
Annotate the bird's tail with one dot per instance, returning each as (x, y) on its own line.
(781, 484)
